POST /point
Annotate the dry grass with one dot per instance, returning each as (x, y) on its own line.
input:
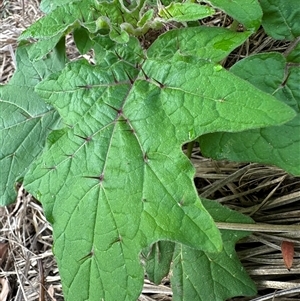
(28, 270)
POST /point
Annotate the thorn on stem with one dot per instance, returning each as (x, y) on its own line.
(114, 76)
(130, 79)
(99, 178)
(118, 239)
(146, 76)
(119, 111)
(69, 125)
(161, 85)
(117, 54)
(51, 168)
(88, 255)
(87, 87)
(87, 139)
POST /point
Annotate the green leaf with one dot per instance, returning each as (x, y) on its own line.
(108, 52)
(117, 181)
(25, 118)
(82, 40)
(182, 12)
(158, 260)
(247, 12)
(278, 145)
(210, 43)
(73, 15)
(49, 5)
(43, 47)
(199, 276)
(281, 18)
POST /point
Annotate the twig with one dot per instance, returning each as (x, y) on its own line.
(259, 227)
(278, 294)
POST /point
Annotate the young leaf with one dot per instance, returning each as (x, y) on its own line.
(246, 12)
(25, 119)
(158, 260)
(117, 180)
(281, 18)
(82, 40)
(73, 15)
(277, 145)
(198, 275)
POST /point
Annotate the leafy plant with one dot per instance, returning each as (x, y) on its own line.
(100, 145)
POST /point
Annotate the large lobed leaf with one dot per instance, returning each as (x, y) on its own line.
(278, 145)
(115, 179)
(25, 118)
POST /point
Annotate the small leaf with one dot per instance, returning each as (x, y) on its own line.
(287, 250)
(82, 40)
(158, 260)
(247, 12)
(148, 15)
(281, 18)
(182, 12)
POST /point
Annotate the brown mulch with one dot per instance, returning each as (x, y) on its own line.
(28, 270)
